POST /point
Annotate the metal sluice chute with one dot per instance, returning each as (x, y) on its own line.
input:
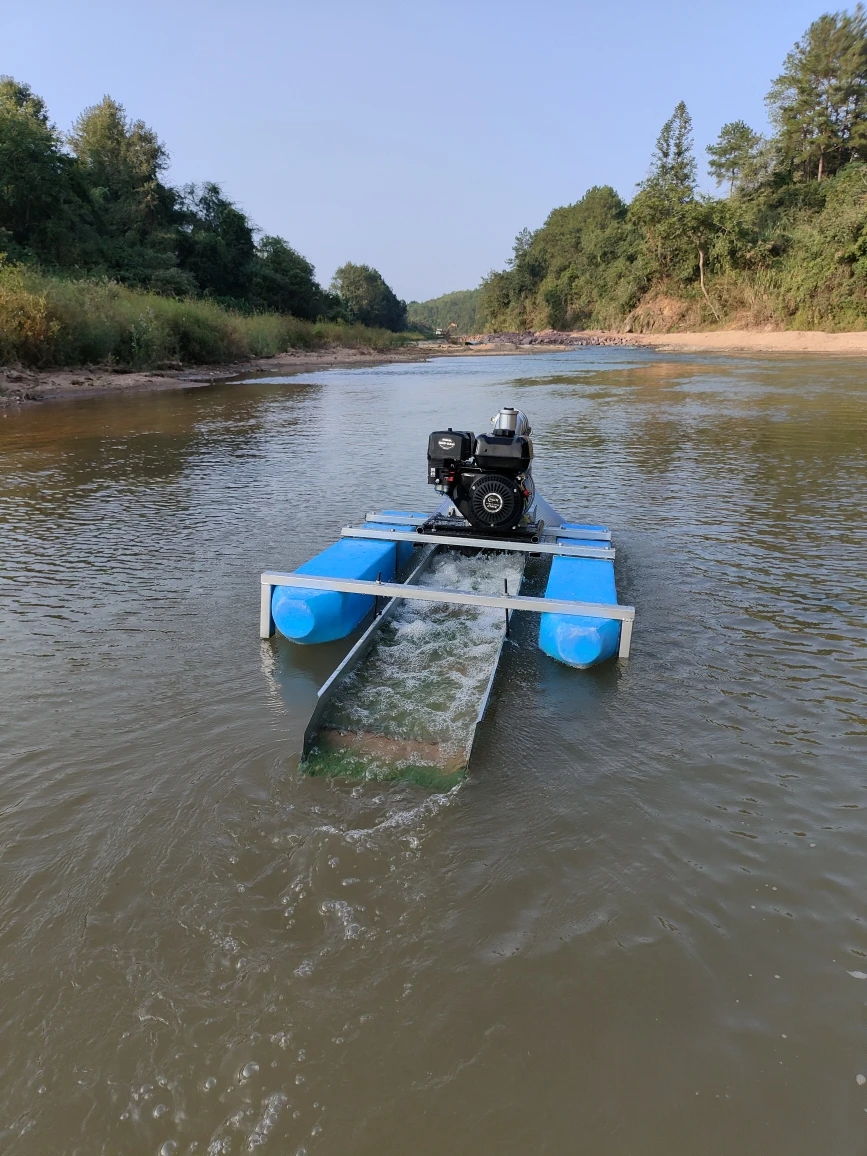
(407, 699)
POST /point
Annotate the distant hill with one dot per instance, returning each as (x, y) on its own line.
(460, 307)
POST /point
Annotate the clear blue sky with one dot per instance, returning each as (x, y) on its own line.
(415, 137)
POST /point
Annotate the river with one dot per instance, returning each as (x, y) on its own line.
(638, 928)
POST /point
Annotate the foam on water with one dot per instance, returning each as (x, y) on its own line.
(411, 707)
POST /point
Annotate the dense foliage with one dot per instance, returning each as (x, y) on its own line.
(366, 297)
(787, 245)
(460, 309)
(94, 203)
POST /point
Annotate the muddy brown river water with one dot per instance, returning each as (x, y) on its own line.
(639, 928)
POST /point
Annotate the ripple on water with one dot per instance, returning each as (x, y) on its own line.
(170, 893)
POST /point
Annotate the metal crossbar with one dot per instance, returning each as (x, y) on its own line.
(457, 597)
(552, 532)
(566, 551)
(549, 534)
(397, 519)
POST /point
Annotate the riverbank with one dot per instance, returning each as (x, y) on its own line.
(710, 341)
(758, 341)
(20, 386)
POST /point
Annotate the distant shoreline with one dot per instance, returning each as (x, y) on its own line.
(705, 341)
(22, 387)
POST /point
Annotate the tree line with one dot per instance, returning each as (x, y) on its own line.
(94, 203)
(786, 243)
(458, 309)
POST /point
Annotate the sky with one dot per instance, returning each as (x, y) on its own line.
(419, 138)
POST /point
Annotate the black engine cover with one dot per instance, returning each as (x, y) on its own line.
(495, 452)
(447, 445)
(489, 501)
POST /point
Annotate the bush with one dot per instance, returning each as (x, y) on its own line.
(52, 321)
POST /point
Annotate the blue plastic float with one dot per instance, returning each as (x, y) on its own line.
(577, 640)
(312, 616)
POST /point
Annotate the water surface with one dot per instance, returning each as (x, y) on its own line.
(636, 929)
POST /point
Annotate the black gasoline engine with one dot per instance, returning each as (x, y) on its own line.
(487, 477)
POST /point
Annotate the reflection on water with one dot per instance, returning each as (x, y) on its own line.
(637, 928)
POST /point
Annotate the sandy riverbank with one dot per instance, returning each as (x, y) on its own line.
(716, 341)
(755, 341)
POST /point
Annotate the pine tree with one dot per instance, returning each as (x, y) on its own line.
(666, 205)
(733, 154)
(819, 101)
(672, 167)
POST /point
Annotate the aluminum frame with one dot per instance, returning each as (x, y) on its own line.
(603, 552)
(625, 614)
(549, 534)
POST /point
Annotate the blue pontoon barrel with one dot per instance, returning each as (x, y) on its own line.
(311, 616)
(576, 640)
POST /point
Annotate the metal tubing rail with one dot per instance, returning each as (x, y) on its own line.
(603, 552)
(458, 597)
(549, 533)
(270, 579)
(397, 519)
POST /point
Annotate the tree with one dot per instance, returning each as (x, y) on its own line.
(119, 163)
(366, 297)
(122, 161)
(283, 280)
(215, 243)
(665, 206)
(819, 101)
(733, 154)
(36, 188)
(672, 165)
(521, 247)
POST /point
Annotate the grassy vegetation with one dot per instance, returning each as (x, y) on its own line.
(54, 321)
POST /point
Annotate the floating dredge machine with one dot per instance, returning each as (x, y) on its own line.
(489, 506)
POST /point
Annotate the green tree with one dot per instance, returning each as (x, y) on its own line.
(284, 281)
(665, 206)
(38, 201)
(734, 153)
(819, 101)
(119, 162)
(366, 297)
(461, 307)
(578, 270)
(215, 244)
(672, 165)
(122, 161)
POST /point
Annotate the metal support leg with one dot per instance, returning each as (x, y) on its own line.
(625, 638)
(266, 622)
